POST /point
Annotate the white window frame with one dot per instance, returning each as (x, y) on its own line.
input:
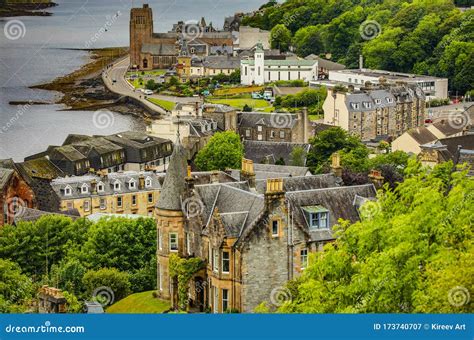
(68, 190)
(121, 201)
(226, 299)
(282, 134)
(132, 184)
(160, 277)
(304, 258)
(278, 228)
(103, 206)
(317, 217)
(84, 188)
(215, 307)
(100, 187)
(225, 260)
(176, 242)
(148, 182)
(117, 185)
(134, 200)
(160, 240)
(188, 243)
(215, 260)
(87, 205)
(259, 128)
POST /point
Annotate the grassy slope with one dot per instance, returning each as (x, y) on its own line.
(139, 303)
(256, 104)
(165, 104)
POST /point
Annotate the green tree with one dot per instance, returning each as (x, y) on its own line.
(15, 288)
(411, 252)
(324, 144)
(108, 283)
(280, 37)
(307, 40)
(150, 85)
(297, 156)
(36, 246)
(223, 151)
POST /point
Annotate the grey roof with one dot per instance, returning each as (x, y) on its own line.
(447, 128)
(245, 206)
(174, 184)
(422, 135)
(302, 183)
(29, 214)
(367, 100)
(270, 119)
(5, 175)
(75, 183)
(221, 50)
(326, 64)
(136, 139)
(160, 49)
(339, 201)
(292, 170)
(258, 151)
(222, 62)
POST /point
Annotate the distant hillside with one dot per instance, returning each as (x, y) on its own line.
(422, 36)
(12, 8)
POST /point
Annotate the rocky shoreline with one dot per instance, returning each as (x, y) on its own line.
(25, 9)
(84, 89)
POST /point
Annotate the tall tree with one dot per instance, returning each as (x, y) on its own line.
(280, 37)
(223, 151)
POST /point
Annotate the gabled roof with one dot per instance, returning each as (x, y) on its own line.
(5, 175)
(339, 201)
(160, 49)
(270, 119)
(422, 135)
(259, 151)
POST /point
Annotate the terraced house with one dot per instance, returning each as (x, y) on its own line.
(129, 192)
(253, 235)
(125, 151)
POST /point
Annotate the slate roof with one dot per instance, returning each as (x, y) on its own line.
(339, 201)
(447, 128)
(258, 151)
(222, 62)
(422, 135)
(174, 184)
(160, 49)
(270, 119)
(136, 139)
(285, 62)
(5, 175)
(41, 168)
(326, 64)
(30, 215)
(370, 97)
(124, 178)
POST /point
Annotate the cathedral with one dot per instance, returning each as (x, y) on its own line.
(149, 50)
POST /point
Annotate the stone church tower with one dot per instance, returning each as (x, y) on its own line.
(141, 31)
(170, 219)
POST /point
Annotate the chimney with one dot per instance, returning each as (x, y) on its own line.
(274, 192)
(215, 177)
(141, 182)
(376, 178)
(189, 180)
(94, 187)
(145, 5)
(247, 173)
(336, 167)
(361, 62)
(304, 124)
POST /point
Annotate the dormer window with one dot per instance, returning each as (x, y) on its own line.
(117, 186)
(132, 185)
(318, 217)
(67, 191)
(378, 101)
(389, 100)
(84, 189)
(100, 187)
(367, 105)
(148, 182)
(355, 106)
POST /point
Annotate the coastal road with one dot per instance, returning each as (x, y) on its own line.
(122, 87)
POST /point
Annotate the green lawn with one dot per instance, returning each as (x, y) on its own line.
(256, 104)
(139, 303)
(165, 104)
(136, 84)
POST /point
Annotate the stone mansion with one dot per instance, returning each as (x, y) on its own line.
(253, 234)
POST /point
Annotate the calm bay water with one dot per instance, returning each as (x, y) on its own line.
(41, 51)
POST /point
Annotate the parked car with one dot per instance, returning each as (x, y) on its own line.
(148, 92)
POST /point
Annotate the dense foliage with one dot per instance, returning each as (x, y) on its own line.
(77, 257)
(412, 252)
(422, 36)
(223, 151)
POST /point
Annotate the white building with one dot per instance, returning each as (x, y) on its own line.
(259, 70)
(433, 87)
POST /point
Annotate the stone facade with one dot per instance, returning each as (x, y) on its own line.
(243, 234)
